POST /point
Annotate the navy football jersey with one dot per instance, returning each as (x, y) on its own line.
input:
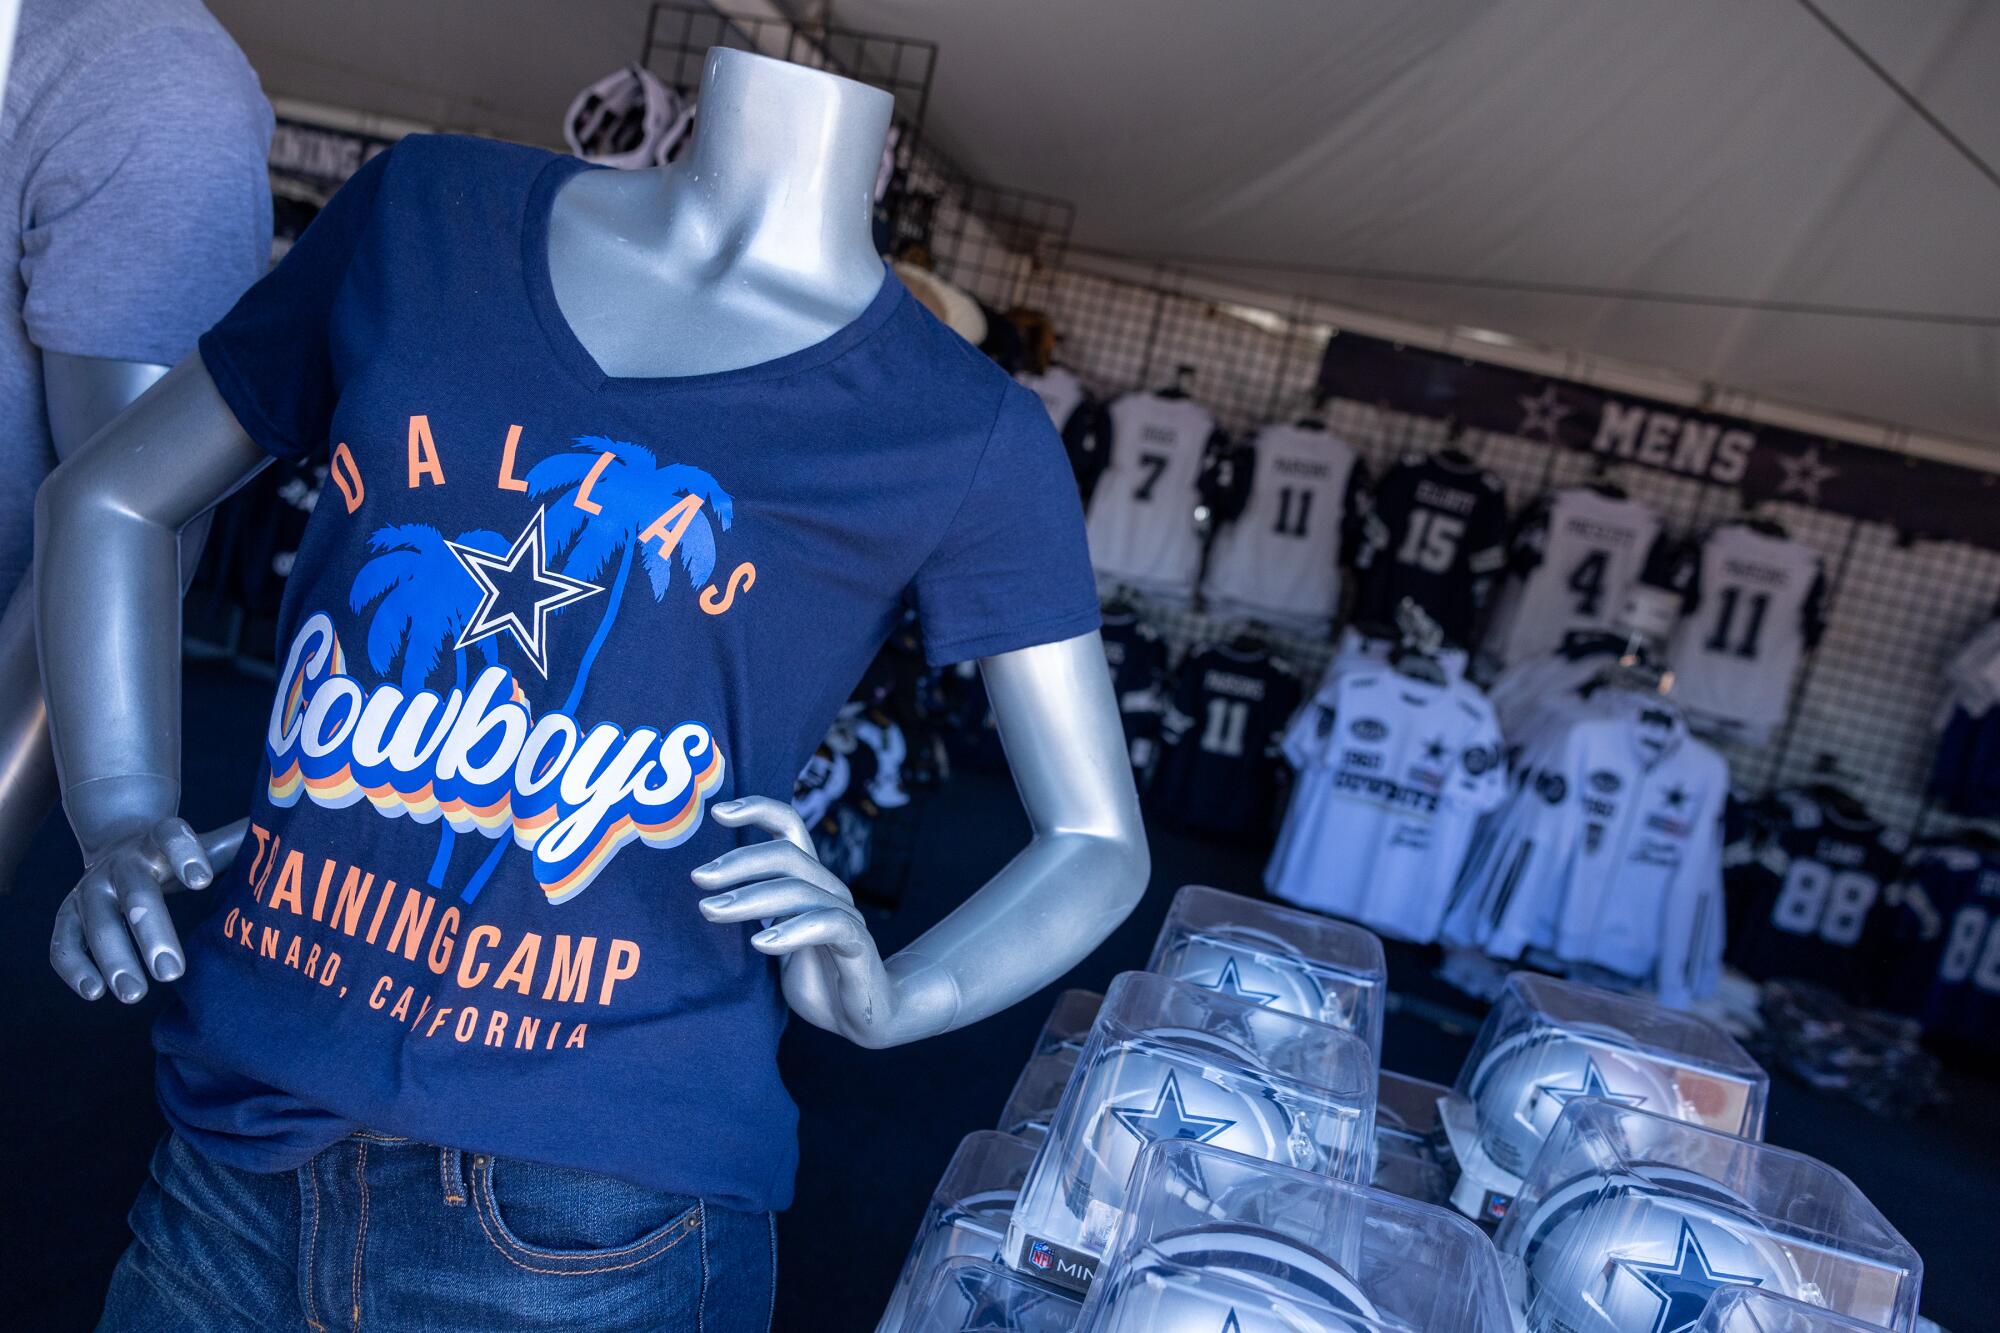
(1436, 534)
(1947, 936)
(1218, 772)
(1810, 890)
(1137, 657)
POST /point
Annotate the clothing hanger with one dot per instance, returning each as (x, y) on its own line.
(1453, 452)
(1121, 602)
(1418, 640)
(1183, 382)
(1767, 525)
(1848, 807)
(1249, 637)
(1605, 483)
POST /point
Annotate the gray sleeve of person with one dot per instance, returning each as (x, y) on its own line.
(146, 210)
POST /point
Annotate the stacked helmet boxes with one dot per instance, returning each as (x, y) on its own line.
(1212, 1146)
(1548, 1043)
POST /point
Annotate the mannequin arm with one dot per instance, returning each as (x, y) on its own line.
(1079, 876)
(108, 606)
(82, 394)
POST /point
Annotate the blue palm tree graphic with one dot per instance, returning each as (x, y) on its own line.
(422, 600)
(632, 491)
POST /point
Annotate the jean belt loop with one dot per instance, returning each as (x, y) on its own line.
(451, 1173)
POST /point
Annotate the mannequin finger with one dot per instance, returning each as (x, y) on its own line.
(68, 956)
(774, 817)
(109, 942)
(145, 908)
(184, 853)
(767, 860)
(829, 928)
(773, 898)
(222, 844)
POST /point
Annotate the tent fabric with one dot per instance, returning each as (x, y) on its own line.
(1696, 149)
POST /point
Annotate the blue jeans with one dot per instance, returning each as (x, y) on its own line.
(386, 1233)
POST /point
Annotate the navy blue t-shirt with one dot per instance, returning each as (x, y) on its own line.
(541, 619)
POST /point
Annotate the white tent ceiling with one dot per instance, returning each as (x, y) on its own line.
(1720, 188)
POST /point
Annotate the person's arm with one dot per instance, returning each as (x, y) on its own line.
(108, 600)
(1080, 874)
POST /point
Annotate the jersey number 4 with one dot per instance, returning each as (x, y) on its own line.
(1431, 544)
(1587, 582)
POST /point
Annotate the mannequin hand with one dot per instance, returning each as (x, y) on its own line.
(833, 974)
(121, 903)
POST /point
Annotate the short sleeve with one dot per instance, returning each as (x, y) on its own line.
(1012, 569)
(147, 209)
(271, 356)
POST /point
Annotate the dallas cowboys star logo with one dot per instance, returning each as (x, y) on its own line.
(1804, 474)
(523, 579)
(1593, 1086)
(1230, 983)
(1676, 796)
(1230, 1324)
(1543, 414)
(1434, 749)
(1169, 1118)
(1683, 1286)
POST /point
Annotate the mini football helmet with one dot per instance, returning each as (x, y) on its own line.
(973, 1296)
(1257, 967)
(1524, 1082)
(1231, 1278)
(1141, 1092)
(1611, 1255)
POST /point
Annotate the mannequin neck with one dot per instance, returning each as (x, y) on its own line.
(781, 173)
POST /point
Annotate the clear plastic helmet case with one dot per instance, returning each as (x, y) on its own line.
(1212, 1240)
(1629, 1222)
(979, 1296)
(1754, 1310)
(966, 1218)
(1412, 1156)
(1170, 1060)
(1296, 962)
(1040, 1085)
(1547, 1043)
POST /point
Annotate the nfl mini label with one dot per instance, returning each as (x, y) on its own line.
(1057, 1265)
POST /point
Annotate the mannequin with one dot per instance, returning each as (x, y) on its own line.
(755, 245)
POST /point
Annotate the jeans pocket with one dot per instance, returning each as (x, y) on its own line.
(554, 1219)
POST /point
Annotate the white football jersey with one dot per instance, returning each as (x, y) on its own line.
(1141, 522)
(1280, 559)
(1752, 606)
(1060, 391)
(1392, 774)
(1586, 552)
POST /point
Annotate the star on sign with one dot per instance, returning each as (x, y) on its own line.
(1804, 474)
(1230, 982)
(1683, 1286)
(529, 588)
(1543, 414)
(1593, 1086)
(1169, 1118)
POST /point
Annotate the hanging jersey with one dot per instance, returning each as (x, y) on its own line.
(1218, 770)
(1436, 533)
(821, 782)
(1526, 690)
(1575, 559)
(1810, 888)
(1137, 657)
(1392, 772)
(1280, 559)
(1141, 521)
(1946, 933)
(1608, 852)
(1059, 389)
(1754, 606)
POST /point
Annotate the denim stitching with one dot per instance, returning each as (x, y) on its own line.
(701, 1297)
(771, 1311)
(448, 1158)
(311, 1171)
(360, 1231)
(483, 1202)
